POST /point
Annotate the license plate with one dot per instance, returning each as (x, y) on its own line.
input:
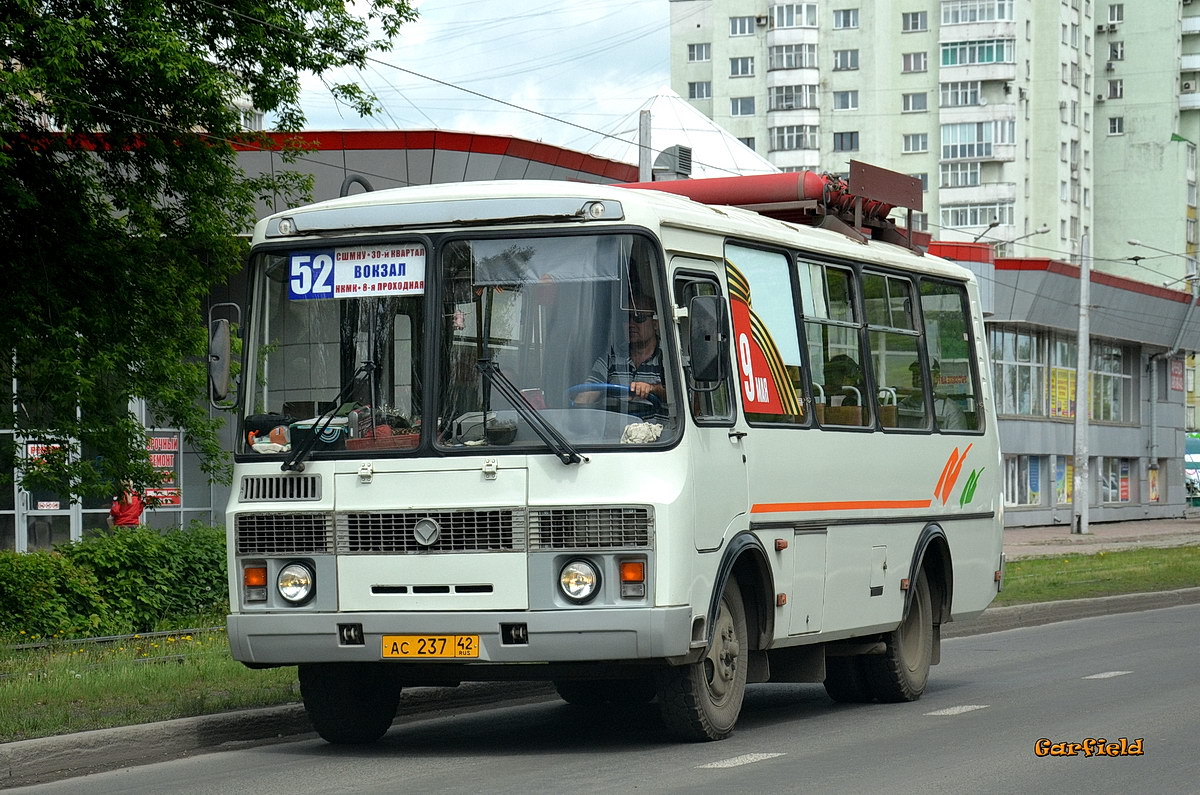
(431, 647)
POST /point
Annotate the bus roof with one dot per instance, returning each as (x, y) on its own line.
(524, 204)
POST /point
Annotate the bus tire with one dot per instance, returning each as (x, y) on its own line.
(701, 701)
(846, 680)
(902, 671)
(349, 703)
(590, 693)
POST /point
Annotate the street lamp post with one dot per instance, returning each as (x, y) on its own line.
(1041, 230)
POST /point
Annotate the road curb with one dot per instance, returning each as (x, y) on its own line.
(65, 756)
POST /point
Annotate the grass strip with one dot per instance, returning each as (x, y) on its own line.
(68, 687)
(1101, 574)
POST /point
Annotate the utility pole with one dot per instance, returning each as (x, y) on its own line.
(645, 174)
(1079, 497)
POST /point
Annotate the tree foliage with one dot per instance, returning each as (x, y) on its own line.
(121, 203)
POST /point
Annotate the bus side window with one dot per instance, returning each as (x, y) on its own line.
(707, 406)
(895, 351)
(953, 376)
(831, 331)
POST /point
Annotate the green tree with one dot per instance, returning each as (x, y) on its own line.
(121, 204)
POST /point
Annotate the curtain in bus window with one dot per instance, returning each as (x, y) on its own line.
(951, 358)
(765, 338)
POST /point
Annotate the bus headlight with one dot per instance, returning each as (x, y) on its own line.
(579, 581)
(295, 583)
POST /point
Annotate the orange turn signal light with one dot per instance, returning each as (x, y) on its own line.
(254, 576)
(633, 571)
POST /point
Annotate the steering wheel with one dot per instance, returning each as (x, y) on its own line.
(619, 398)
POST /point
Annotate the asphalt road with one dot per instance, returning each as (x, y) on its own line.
(993, 697)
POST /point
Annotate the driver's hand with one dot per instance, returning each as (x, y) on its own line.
(641, 389)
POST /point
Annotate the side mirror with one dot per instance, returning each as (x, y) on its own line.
(708, 341)
(218, 359)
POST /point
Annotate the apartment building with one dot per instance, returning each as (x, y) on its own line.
(1069, 116)
(1051, 129)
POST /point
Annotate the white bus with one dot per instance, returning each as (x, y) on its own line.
(638, 445)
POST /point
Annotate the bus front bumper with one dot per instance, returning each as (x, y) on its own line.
(552, 636)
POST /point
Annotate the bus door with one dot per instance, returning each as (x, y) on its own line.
(717, 443)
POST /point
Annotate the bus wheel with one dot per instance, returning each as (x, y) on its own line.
(349, 703)
(901, 672)
(701, 701)
(585, 693)
(846, 680)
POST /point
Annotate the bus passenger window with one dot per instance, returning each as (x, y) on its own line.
(831, 330)
(951, 356)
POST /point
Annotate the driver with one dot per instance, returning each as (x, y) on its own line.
(641, 369)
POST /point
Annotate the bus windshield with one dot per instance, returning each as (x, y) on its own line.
(528, 332)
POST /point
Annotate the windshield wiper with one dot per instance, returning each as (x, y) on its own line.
(295, 462)
(557, 443)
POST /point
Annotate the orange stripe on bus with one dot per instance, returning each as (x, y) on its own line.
(852, 505)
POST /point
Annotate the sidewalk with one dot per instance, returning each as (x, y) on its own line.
(1038, 542)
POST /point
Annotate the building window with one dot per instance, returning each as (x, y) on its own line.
(977, 215)
(916, 103)
(1116, 51)
(911, 21)
(1110, 381)
(845, 18)
(792, 56)
(1116, 125)
(698, 53)
(1022, 476)
(794, 15)
(916, 142)
(1116, 89)
(920, 222)
(793, 97)
(915, 62)
(962, 53)
(1116, 12)
(741, 67)
(1018, 362)
(845, 100)
(844, 60)
(700, 90)
(747, 142)
(923, 178)
(741, 106)
(956, 95)
(1116, 481)
(845, 141)
(973, 140)
(960, 175)
(794, 136)
(741, 26)
(960, 12)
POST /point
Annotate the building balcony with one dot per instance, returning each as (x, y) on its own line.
(977, 31)
(971, 153)
(1189, 63)
(1189, 101)
(978, 71)
(985, 193)
(961, 114)
(1191, 25)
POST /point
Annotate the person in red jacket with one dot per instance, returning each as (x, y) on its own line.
(126, 510)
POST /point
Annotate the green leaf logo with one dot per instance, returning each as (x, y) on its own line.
(968, 492)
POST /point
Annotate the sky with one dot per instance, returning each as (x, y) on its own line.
(589, 62)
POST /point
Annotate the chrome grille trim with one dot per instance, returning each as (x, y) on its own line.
(462, 530)
(283, 533)
(600, 527)
(265, 488)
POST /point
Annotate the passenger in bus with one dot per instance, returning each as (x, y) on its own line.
(950, 415)
(843, 381)
(640, 367)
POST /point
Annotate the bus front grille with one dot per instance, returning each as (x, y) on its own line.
(284, 533)
(467, 530)
(609, 527)
(264, 488)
